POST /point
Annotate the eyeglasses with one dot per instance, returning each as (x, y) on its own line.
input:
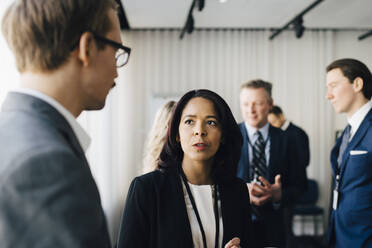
(122, 53)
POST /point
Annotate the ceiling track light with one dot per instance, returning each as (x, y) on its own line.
(123, 20)
(299, 27)
(297, 18)
(201, 4)
(189, 24)
(365, 35)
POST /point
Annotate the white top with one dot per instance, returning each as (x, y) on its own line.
(203, 196)
(80, 133)
(285, 125)
(358, 117)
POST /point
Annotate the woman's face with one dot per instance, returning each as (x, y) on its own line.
(199, 131)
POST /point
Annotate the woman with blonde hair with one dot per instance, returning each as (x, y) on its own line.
(156, 137)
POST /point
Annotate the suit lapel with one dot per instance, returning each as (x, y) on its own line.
(334, 154)
(361, 132)
(227, 211)
(274, 152)
(244, 166)
(185, 238)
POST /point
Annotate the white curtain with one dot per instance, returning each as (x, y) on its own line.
(162, 64)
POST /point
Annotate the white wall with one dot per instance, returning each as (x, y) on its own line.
(8, 72)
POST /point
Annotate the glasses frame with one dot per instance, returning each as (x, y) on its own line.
(114, 44)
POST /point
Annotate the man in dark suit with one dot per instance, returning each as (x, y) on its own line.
(267, 165)
(349, 84)
(294, 133)
(65, 52)
(299, 138)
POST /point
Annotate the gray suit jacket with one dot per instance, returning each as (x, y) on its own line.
(48, 197)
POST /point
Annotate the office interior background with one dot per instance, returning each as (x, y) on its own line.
(229, 45)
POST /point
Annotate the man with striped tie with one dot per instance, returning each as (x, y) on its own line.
(268, 165)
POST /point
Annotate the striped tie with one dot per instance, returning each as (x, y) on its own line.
(259, 159)
(344, 142)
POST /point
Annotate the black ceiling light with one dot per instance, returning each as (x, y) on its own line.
(298, 25)
(297, 22)
(365, 35)
(123, 20)
(190, 24)
(201, 4)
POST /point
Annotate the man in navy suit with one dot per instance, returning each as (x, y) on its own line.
(67, 53)
(294, 133)
(349, 84)
(267, 164)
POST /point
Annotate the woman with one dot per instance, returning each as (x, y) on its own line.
(156, 138)
(193, 199)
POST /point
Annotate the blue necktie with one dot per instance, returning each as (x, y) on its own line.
(345, 141)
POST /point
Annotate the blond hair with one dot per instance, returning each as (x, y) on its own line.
(42, 33)
(156, 137)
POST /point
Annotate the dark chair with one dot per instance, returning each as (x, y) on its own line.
(306, 205)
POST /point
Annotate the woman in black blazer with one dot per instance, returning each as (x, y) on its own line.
(193, 199)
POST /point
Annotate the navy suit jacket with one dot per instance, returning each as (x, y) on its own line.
(48, 197)
(351, 223)
(283, 161)
(155, 213)
(299, 136)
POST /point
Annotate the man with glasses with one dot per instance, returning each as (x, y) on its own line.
(67, 53)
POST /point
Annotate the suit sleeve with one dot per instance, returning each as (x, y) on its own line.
(135, 225)
(306, 148)
(295, 181)
(50, 199)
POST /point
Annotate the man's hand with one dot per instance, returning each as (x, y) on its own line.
(260, 194)
(234, 243)
(257, 194)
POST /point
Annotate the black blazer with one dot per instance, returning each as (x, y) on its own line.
(299, 136)
(155, 213)
(283, 161)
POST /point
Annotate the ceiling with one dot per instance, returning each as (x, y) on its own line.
(335, 14)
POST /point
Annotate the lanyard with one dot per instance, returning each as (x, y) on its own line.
(215, 208)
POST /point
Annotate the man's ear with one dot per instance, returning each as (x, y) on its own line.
(358, 84)
(85, 49)
(271, 102)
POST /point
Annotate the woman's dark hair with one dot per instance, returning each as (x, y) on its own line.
(227, 157)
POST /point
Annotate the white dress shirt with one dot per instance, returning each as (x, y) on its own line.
(80, 133)
(285, 125)
(358, 117)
